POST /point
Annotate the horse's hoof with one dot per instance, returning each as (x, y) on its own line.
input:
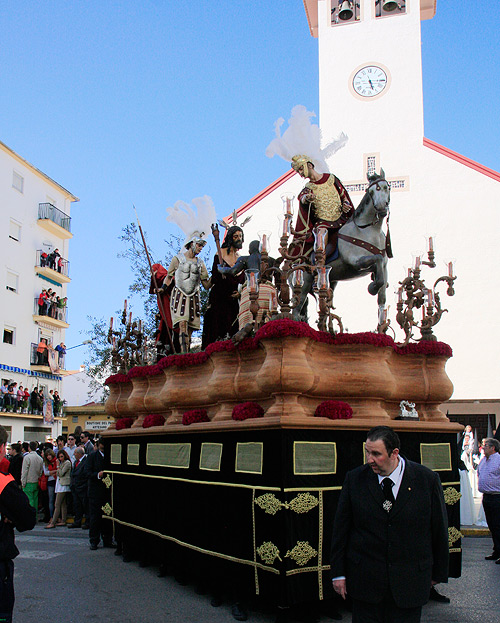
(373, 288)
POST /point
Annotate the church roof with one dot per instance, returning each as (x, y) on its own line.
(472, 164)
(444, 151)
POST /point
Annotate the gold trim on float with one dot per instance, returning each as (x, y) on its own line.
(132, 448)
(291, 489)
(240, 447)
(447, 458)
(115, 457)
(296, 444)
(445, 484)
(179, 455)
(204, 482)
(320, 545)
(202, 550)
(309, 570)
(254, 543)
(211, 469)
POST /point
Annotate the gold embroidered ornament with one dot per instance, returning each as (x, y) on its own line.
(451, 496)
(107, 481)
(107, 508)
(301, 553)
(326, 201)
(453, 535)
(303, 503)
(269, 503)
(268, 552)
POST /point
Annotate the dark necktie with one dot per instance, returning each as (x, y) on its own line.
(387, 485)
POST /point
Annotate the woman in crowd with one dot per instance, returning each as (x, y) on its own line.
(50, 471)
(62, 488)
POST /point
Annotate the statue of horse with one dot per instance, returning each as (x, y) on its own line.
(361, 247)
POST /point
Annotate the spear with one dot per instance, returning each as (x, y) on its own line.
(155, 283)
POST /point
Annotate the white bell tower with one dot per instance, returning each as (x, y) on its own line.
(370, 79)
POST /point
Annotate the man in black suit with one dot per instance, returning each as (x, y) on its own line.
(97, 499)
(79, 489)
(390, 537)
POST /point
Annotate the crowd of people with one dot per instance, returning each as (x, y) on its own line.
(16, 399)
(52, 260)
(63, 478)
(51, 305)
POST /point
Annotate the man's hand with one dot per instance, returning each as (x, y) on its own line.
(340, 588)
(100, 474)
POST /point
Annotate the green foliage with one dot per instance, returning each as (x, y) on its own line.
(98, 362)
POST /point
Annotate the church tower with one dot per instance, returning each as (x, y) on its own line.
(370, 79)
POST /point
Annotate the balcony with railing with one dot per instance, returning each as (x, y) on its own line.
(53, 267)
(50, 314)
(39, 361)
(54, 221)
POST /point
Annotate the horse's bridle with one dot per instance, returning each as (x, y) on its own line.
(377, 210)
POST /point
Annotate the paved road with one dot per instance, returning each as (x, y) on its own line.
(58, 579)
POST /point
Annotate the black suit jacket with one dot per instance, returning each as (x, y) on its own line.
(400, 551)
(94, 463)
(79, 477)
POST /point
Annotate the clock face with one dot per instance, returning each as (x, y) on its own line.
(369, 81)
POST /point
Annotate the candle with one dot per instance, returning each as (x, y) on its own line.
(274, 301)
(431, 244)
(111, 323)
(298, 277)
(286, 226)
(287, 199)
(130, 318)
(320, 238)
(385, 315)
(430, 298)
(409, 273)
(400, 295)
(417, 262)
(125, 306)
(450, 269)
(114, 342)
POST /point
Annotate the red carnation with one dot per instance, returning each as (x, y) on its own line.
(246, 410)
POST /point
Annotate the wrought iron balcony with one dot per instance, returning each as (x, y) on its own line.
(49, 213)
(42, 359)
(52, 266)
(52, 313)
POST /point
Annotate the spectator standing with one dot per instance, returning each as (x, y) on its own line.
(30, 473)
(61, 351)
(70, 446)
(79, 490)
(42, 355)
(50, 470)
(57, 404)
(489, 485)
(16, 462)
(16, 513)
(42, 303)
(62, 488)
(97, 499)
(4, 392)
(87, 443)
(34, 401)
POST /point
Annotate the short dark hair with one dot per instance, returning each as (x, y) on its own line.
(16, 447)
(3, 436)
(33, 445)
(87, 434)
(26, 446)
(387, 435)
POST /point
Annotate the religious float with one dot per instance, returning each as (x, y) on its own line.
(228, 463)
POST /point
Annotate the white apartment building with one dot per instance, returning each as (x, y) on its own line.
(370, 87)
(35, 221)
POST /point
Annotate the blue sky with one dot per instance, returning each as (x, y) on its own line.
(147, 102)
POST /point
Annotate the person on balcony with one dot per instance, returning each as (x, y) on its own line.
(42, 354)
(61, 308)
(61, 351)
(42, 303)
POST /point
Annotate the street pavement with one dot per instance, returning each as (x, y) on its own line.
(58, 579)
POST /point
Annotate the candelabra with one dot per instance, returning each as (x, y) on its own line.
(128, 347)
(290, 269)
(413, 295)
